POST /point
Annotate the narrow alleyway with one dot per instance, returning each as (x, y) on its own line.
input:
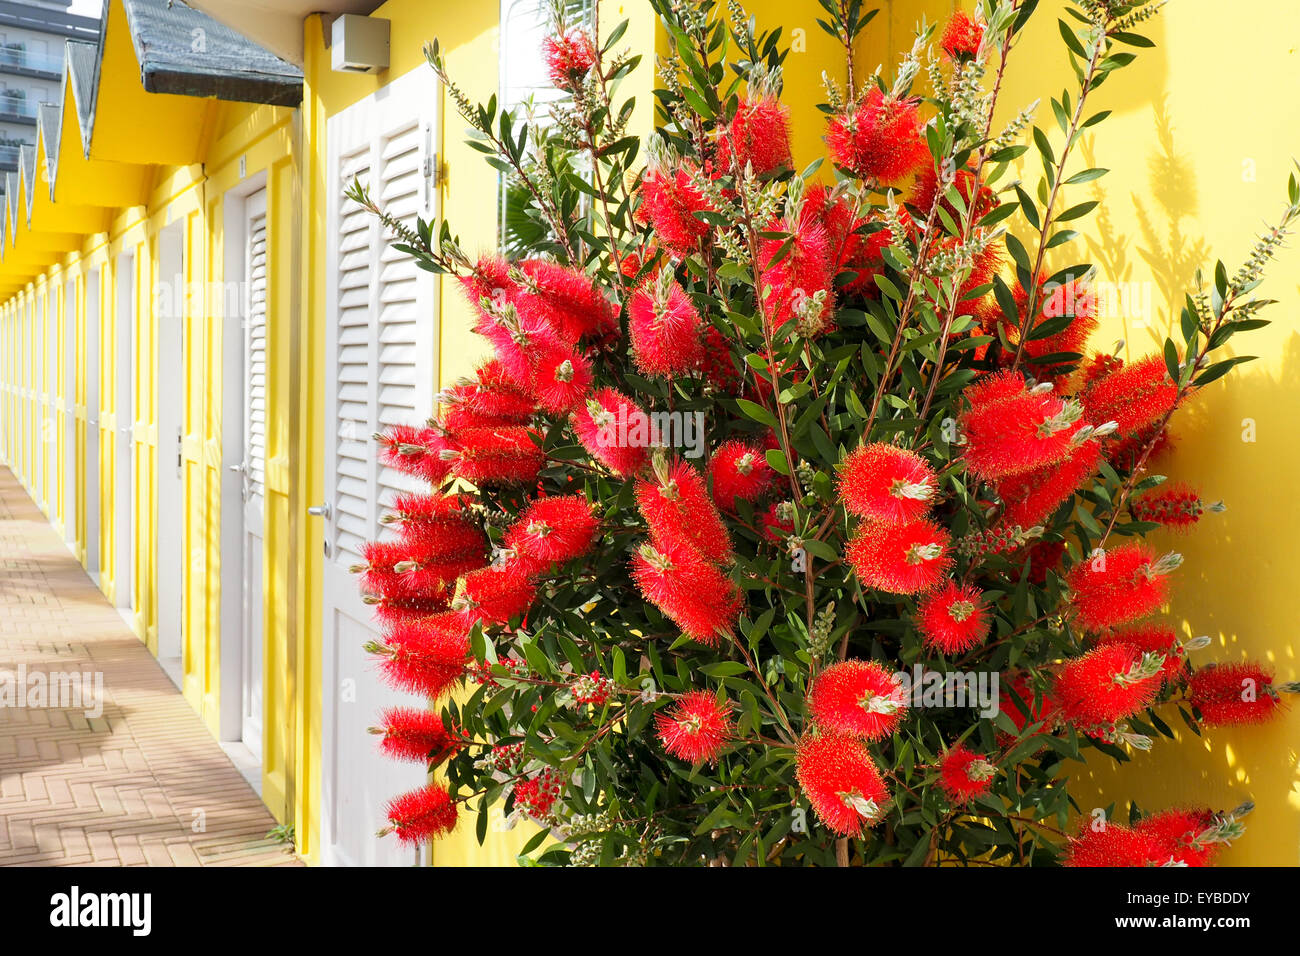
(142, 783)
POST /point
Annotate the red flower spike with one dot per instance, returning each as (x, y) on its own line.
(757, 136)
(1029, 497)
(668, 201)
(778, 522)
(1180, 833)
(414, 735)
(1133, 397)
(953, 619)
(696, 728)
(858, 699)
(962, 37)
(415, 451)
(569, 58)
(887, 483)
(496, 594)
(665, 328)
(690, 591)
(565, 299)
(1177, 506)
(841, 782)
(494, 457)
(1010, 428)
(1118, 586)
(926, 188)
(739, 471)
(899, 558)
(614, 430)
(1115, 845)
(881, 139)
(716, 366)
(1099, 689)
(801, 274)
(422, 815)
(1156, 639)
(426, 656)
(964, 774)
(1228, 694)
(561, 377)
(552, 531)
(678, 511)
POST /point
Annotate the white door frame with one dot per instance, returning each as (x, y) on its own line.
(68, 404)
(169, 517)
(123, 440)
(91, 478)
(233, 665)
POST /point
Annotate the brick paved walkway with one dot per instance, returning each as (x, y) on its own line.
(143, 784)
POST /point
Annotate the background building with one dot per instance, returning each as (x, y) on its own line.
(32, 35)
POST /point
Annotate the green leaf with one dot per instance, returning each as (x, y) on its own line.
(757, 412)
(1086, 176)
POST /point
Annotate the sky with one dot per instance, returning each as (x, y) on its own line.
(87, 8)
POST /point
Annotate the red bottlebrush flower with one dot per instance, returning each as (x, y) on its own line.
(424, 564)
(899, 558)
(1155, 638)
(841, 782)
(1228, 694)
(798, 277)
(739, 471)
(677, 509)
(1011, 429)
(561, 377)
(1104, 686)
(1074, 299)
(516, 340)
(566, 299)
(926, 189)
(422, 815)
(852, 251)
(715, 365)
(410, 510)
(552, 531)
(758, 136)
(569, 58)
(490, 280)
(1039, 705)
(858, 699)
(415, 451)
(1176, 506)
(667, 202)
(665, 328)
(426, 656)
(536, 796)
(1178, 831)
(419, 736)
(696, 728)
(881, 139)
(888, 483)
(1029, 497)
(614, 430)
(778, 521)
(1117, 586)
(964, 774)
(694, 594)
(1133, 397)
(1115, 845)
(394, 612)
(962, 37)
(494, 457)
(953, 619)
(476, 407)
(497, 594)
(1045, 556)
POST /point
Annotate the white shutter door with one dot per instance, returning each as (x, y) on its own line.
(255, 344)
(381, 370)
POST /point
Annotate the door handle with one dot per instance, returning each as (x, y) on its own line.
(319, 511)
(238, 469)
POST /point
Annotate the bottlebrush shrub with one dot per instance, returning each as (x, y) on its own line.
(758, 448)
